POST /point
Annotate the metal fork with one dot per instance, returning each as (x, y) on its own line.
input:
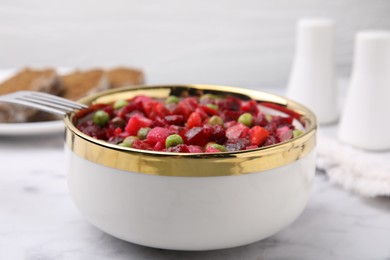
(42, 101)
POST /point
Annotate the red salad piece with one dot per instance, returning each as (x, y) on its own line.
(196, 136)
(194, 149)
(157, 134)
(209, 110)
(136, 122)
(284, 133)
(257, 135)
(237, 131)
(194, 120)
(250, 106)
(207, 124)
(210, 149)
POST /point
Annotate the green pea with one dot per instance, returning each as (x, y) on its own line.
(246, 119)
(212, 106)
(101, 118)
(131, 138)
(128, 141)
(143, 132)
(120, 103)
(217, 146)
(124, 144)
(172, 99)
(173, 140)
(297, 133)
(215, 120)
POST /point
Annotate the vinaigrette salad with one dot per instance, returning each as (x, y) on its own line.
(204, 124)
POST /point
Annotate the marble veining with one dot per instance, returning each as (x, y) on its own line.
(38, 220)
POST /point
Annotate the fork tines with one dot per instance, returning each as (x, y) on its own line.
(43, 101)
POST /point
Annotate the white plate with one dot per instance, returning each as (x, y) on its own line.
(32, 128)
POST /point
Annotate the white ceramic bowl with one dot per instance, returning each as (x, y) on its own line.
(191, 201)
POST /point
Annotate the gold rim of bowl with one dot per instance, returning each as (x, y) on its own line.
(189, 164)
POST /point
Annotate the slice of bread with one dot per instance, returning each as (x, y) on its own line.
(45, 80)
(82, 83)
(121, 76)
(72, 86)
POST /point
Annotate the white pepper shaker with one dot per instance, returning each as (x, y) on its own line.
(312, 79)
(365, 121)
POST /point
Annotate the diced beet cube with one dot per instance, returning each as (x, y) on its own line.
(174, 120)
(282, 121)
(141, 144)
(209, 111)
(195, 136)
(230, 103)
(260, 120)
(182, 109)
(159, 146)
(270, 141)
(131, 107)
(229, 115)
(158, 110)
(208, 131)
(182, 132)
(218, 135)
(136, 122)
(214, 133)
(271, 128)
(284, 133)
(147, 107)
(257, 135)
(229, 124)
(157, 134)
(194, 120)
(181, 148)
(127, 109)
(158, 121)
(89, 128)
(173, 129)
(250, 107)
(194, 149)
(110, 131)
(191, 102)
(236, 144)
(237, 131)
(202, 114)
(118, 131)
(129, 115)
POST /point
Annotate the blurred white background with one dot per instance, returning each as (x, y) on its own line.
(248, 43)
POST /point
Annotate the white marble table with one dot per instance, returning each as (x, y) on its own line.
(39, 221)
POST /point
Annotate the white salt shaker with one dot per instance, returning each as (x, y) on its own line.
(365, 120)
(312, 79)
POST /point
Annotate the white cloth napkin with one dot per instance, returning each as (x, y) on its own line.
(364, 172)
